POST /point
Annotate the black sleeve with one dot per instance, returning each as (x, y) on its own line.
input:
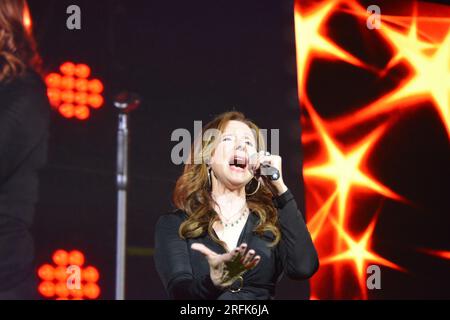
(24, 117)
(173, 264)
(296, 250)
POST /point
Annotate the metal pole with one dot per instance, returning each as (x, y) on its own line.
(125, 102)
(122, 182)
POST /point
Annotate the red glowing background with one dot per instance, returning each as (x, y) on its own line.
(406, 65)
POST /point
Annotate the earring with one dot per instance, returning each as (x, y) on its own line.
(248, 191)
(209, 178)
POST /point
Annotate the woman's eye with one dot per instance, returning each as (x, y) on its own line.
(226, 139)
(249, 143)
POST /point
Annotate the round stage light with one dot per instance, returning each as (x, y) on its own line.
(82, 112)
(61, 258)
(53, 80)
(61, 290)
(46, 272)
(54, 96)
(67, 279)
(61, 273)
(67, 83)
(76, 293)
(67, 110)
(68, 96)
(82, 71)
(90, 274)
(95, 101)
(76, 258)
(91, 291)
(72, 93)
(95, 86)
(82, 85)
(67, 69)
(47, 289)
(81, 98)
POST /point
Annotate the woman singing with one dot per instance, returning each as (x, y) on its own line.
(24, 117)
(235, 232)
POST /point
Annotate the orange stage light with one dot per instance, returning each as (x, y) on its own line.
(81, 98)
(53, 80)
(76, 293)
(67, 83)
(27, 22)
(54, 96)
(82, 112)
(76, 258)
(95, 101)
(82, 71)
(68, 280)
(67, 96)
(96, 86)
(91, 291)
(47, 289)
(68, 69)
(90, 274)
(72, 93)
(82, 85)
(61, 273)
(67, 110)
(61, 290)
(61, 258)
(46, 272)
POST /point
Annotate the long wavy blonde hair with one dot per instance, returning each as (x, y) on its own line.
(192, 192)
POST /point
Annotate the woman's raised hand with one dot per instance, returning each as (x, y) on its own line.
(277, 187)
(228, 267)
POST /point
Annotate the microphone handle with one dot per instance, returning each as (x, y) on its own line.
(268, 171)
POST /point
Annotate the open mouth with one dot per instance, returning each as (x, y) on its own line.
(238, 162)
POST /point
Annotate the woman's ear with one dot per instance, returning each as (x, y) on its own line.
(207, 162)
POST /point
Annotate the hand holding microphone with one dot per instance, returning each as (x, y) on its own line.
(267, 166)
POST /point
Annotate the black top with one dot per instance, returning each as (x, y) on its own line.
(185, 272)
(24, 119)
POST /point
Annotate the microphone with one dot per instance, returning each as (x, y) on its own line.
(126, 102)
(265, 170)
